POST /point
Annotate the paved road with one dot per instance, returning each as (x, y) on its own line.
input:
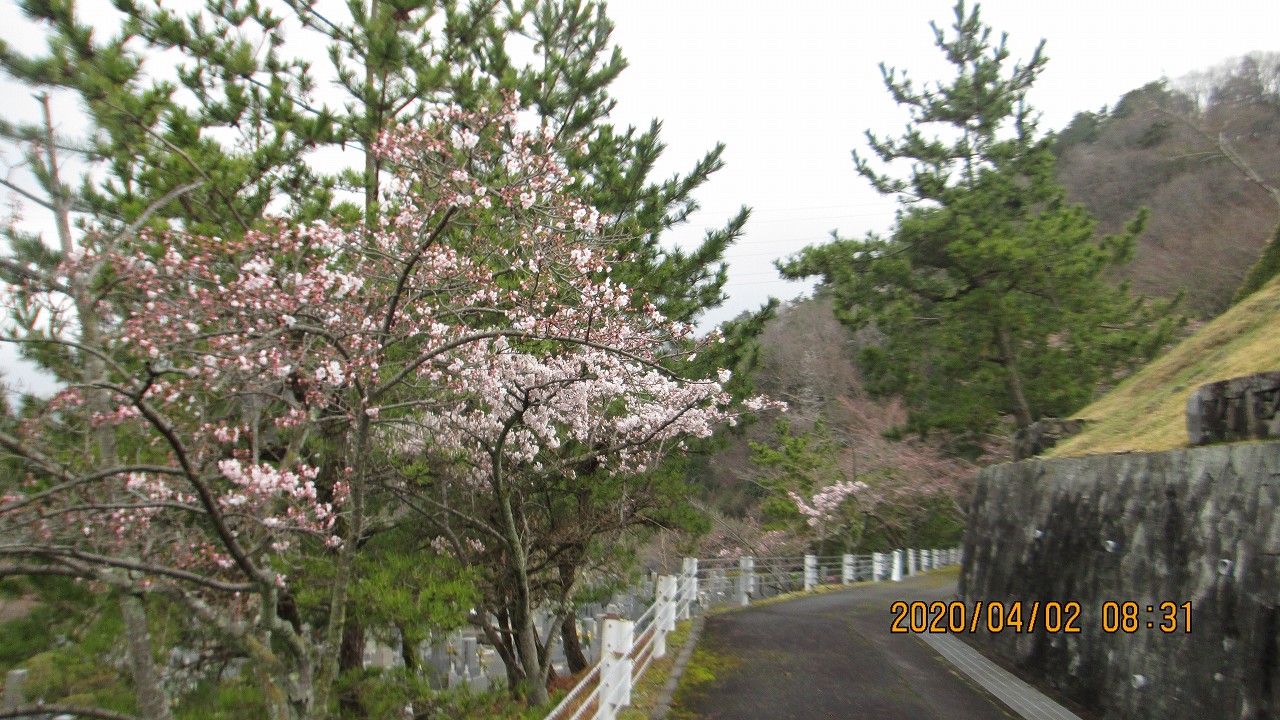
(829, 656)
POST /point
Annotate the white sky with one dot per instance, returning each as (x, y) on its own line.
(790, 88)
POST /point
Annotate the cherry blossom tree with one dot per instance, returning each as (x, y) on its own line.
(258, 387)
(618, 413)
(823, 511)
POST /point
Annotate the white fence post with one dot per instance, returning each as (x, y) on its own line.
(615, 667)
(810, 572)
(665, 616)
(689, 584)
(877, 567)
(896, 575)
(746, 579)
(911, 562)
(846, 569)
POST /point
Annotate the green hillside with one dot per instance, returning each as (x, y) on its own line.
(1145, 412)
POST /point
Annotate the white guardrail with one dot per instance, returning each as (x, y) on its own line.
(630, 646)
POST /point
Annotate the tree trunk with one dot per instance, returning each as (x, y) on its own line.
(522, 608)
(344, 570)
(351, 657)
(1013, 376)
(530, 658)
(572, 643)
(500, 637)
(408, 651)
(569, 625)
(544, 654)
(153, 704)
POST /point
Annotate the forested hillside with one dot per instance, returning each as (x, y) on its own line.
(1202, 153)
(833, 433)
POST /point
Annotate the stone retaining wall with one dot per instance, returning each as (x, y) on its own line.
(1196, 525)
(1243, 408)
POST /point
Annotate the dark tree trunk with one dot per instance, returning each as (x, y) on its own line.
(351, 657)
(572, 643)
(501, 638)
(408, 651)
(287, 609)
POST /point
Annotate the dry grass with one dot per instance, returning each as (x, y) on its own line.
(1146, 411)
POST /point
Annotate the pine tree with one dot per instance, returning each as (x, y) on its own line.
(990, 292)
(226, 145)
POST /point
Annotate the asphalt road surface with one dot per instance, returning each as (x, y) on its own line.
(829, 655)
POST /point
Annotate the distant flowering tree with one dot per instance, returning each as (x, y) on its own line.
(824, 510)
(261, 387)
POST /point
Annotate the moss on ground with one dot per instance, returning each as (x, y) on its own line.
(707, 665)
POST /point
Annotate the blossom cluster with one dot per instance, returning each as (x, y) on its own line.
(594, 398)
(822, 508)
(480, 308)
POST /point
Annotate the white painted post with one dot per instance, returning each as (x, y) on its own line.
(615, 667)
(746, 579)
(926, 559)
(896, 575)
(810, 572)
(911, 562)
(846, 569)
(877, 567)
(690, 585)
(665, 615)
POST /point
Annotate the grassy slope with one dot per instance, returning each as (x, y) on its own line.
(1146, 411)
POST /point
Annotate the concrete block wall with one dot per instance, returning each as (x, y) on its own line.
(1199, 525)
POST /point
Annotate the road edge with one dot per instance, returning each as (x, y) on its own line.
(668, 692)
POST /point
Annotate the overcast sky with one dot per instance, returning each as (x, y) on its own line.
(790, 88)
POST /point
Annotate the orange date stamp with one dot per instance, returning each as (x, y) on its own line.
(1031, 616)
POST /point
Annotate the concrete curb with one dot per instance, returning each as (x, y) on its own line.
(668, 692)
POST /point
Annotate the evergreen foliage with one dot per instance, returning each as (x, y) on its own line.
(990, 293)
(801, 462)
(228, 145)
(1262, 271)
